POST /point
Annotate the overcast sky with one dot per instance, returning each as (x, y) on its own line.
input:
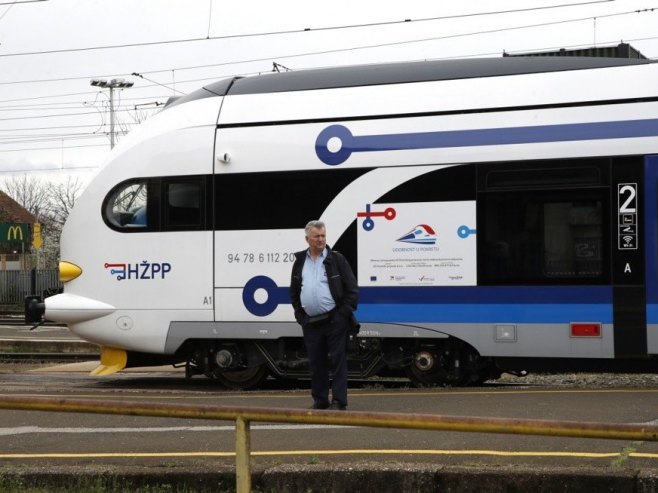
(52, 120)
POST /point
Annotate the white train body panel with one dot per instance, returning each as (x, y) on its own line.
(224, 282)
(145, 302)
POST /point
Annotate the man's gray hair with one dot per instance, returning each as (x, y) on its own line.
(313, 224)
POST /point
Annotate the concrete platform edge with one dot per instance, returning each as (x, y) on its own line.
(333, 478)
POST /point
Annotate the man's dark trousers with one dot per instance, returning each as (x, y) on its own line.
(329, 338)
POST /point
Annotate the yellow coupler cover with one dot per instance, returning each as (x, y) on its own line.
(112, 361)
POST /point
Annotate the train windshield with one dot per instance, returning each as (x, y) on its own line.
(126, 205)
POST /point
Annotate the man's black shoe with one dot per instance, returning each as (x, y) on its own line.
(319, 406)
(337, 406)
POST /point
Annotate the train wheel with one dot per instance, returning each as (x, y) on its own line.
(429, 368)
(426, 370)
(247, 378)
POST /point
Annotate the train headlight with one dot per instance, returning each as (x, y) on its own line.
(68, 271)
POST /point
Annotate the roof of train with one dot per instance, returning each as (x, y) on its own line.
(399, 73)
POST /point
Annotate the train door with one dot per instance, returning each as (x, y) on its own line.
(628, 238)
(650, 224)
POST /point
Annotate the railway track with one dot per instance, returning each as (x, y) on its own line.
(20, 320)
(36, 357)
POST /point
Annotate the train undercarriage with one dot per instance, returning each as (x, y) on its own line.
(245, 364)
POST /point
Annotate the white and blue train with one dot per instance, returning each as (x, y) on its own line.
(501, 215)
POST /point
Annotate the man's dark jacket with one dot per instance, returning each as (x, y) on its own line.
(342, 284)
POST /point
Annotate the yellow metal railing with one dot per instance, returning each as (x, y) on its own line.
(243, 416)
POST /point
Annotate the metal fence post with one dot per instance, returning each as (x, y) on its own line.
(242, 455)
(33, 281)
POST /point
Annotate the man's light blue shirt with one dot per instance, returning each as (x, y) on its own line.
(315, 296)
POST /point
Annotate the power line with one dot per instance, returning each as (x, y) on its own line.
(82, 93)
(156, 82)
(74, 105)
(49, 170)
(58, 127)
(459, 35)
(54, 107)
(19, 2)
(322, 52)
(16, 2)
(209, 18)
(50, 116)
(52, 148)
(68, 136)
(63, 115)
(51, 138)
(308, 29)
(216, 77)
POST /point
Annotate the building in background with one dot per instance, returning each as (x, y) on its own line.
(16, 234)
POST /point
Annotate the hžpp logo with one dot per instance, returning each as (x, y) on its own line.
(421, 234)
(144, 270)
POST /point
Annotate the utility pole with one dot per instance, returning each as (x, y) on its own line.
(111, 85)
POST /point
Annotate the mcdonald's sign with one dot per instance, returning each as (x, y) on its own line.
(15, 233)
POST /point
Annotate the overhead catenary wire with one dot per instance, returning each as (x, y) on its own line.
(56, 127)
(20, 2)
(269, 59)
(72, 105)
(136, 74)
(49, 138)
(52, 169)
(14, 3)
(318, 29)
(394, 43)
(61, 115)
(128, 107)
(330, 51)
(71, 94)
(219, 76)
(50, 148)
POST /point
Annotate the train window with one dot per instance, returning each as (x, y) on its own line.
(279, 200)
(448, 183)
(125, 206)
(182, 207)
(544, 178)
(542, 237)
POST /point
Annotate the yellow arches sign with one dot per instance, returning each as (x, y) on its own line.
(10, 233)
(21, 233)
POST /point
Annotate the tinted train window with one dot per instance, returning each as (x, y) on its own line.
(541, 238)
(544, 177)
(171, 203)
(277, 200)
(544, 222)
(182, 204)
(125, 206)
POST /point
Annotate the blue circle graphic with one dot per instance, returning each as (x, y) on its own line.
(465, 231)
(322, 145)
(249, 292)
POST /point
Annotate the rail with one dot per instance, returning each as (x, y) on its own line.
(19, 321)
(243, 416)
(47, 357)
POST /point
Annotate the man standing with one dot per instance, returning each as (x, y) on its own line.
(324, 294)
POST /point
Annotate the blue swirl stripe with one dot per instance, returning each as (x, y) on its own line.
(468, 304)
(478, 137)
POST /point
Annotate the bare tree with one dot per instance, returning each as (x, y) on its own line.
(30, 192)
(62, 198)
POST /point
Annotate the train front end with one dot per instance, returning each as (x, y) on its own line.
(136, 254)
